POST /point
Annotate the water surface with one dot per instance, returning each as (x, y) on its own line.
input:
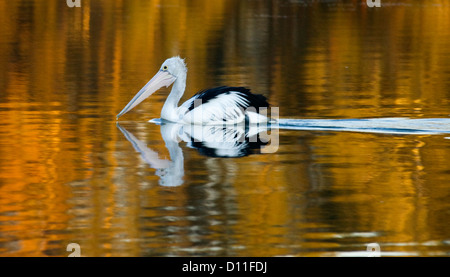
(69, 174)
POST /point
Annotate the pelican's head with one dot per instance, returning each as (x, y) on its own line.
(170, 70)
(174, 66)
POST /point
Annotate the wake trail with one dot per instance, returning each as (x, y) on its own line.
(422, 126)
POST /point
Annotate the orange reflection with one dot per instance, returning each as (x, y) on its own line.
(67, 72)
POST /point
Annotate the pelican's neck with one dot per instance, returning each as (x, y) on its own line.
(170, 108)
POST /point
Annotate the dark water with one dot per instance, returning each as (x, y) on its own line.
(69, 174)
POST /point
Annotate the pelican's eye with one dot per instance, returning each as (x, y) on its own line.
(165, 67)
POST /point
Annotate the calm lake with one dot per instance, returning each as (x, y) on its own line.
(71, 173)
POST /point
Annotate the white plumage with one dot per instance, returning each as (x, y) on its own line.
(221, 105)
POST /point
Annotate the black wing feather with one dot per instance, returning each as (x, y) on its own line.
(254, 100)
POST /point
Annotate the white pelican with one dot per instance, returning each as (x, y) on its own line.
(221, 105)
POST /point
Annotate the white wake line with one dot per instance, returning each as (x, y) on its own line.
(388, 125)
(401, 125)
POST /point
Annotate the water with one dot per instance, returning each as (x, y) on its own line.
(70, 174)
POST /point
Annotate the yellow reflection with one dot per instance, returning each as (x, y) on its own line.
(67, 72)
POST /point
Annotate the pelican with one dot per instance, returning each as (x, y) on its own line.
(221, 105)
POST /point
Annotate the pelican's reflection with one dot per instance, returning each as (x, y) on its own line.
(213, 141)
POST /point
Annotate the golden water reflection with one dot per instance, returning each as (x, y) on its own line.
(68, 174)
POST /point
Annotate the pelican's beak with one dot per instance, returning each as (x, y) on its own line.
(162, 78)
